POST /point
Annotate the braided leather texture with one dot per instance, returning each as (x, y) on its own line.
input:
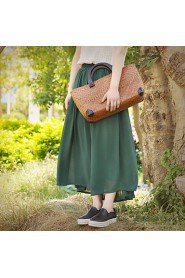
(90, 98)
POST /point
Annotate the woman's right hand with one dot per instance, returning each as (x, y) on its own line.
(67, 99)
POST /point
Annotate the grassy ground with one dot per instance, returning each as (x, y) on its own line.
(61, 215)
(30, 201)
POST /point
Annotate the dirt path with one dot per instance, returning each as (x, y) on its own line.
(61, 215)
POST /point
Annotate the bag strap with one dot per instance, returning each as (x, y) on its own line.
(94, 68)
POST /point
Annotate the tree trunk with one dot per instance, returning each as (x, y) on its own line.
(156, 120)
(173, 63)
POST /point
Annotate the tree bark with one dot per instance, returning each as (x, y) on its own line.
(173, 63)
(156, 120)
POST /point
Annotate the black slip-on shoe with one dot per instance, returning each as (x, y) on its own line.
(84, 219)
(103, 218)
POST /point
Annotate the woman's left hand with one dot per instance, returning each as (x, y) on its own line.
(113, 99)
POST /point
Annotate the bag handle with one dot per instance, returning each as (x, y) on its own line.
(94, 68)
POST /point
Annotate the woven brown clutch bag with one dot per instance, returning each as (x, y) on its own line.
(88, 97)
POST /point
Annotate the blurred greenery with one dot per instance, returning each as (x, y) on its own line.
(22, 141)
(51, 65)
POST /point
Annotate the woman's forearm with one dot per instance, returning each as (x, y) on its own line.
(118, 63)
(74, 68)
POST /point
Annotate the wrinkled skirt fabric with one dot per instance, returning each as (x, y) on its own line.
(97, 157)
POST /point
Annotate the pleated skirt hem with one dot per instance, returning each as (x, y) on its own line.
(121, 195)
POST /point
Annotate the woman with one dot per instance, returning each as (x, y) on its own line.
(98, 158)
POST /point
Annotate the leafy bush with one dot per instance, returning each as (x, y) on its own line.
(22, 141)
(47, 140)
(13, 152)
(14, 124)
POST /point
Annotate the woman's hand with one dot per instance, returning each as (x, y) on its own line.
(67, 99)
(113, 99)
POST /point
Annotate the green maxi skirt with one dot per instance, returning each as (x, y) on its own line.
(98, 157)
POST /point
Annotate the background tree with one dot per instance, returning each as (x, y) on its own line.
(51, 67)
(13, 74)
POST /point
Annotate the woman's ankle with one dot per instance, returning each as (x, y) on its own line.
(98, 205)
(108, 207)
(97, 201)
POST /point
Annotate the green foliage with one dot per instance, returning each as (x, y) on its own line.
(141, 208)
(13, 76)
(146, 61)
(166, 194)
(48, 139)
(133, 55)
(17, 115)
(13, 151)
(141, 60)
(163, 203)
(22, 141)
(14, 72)
(51, 65)
(14, 124)
(15, 144)
(70, 50)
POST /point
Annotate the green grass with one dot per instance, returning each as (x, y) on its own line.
(24, 191)
(30, 200)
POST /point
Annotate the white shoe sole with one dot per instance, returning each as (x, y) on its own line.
(102, 224)
(82, 221)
